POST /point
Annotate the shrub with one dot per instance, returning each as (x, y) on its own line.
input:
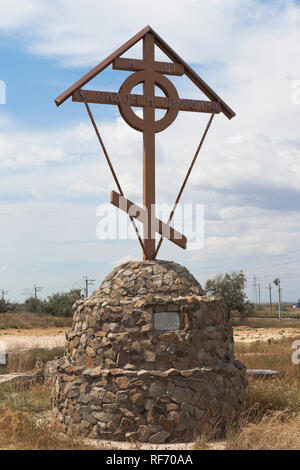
(33, 305)
(60, 305)
(6, 306)
(230, 287)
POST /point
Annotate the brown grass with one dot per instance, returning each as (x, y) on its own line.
(272, 432)
(23, 424)
(280, 393)
(18, 430)
(265, 323)
(271, 416)
(24, 361)
(30, 320)
(35, 399)
(18, 423)
(275, 356)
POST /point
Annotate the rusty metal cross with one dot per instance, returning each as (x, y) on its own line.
(151, 74)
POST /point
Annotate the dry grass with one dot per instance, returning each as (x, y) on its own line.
(201, 443)
(35, 399)
(276, 356)
(30, 320)
(24, 361)
(272, 432)
(271, 416)
(280, 393)
(18, 423)
(18, 430)
(265, 323)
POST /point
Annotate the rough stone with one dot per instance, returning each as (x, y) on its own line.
(159, 437)
(167, 424)
(122, 379)
(123, 382)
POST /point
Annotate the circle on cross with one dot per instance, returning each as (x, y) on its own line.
(166, 87)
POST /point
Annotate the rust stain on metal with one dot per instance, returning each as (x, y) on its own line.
(150, 73)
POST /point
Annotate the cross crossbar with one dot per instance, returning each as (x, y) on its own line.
(141, 214)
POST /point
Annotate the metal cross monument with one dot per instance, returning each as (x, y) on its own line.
(150, 73)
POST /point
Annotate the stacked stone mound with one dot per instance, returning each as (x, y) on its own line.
(149, 359)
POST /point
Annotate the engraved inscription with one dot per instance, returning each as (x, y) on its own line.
(166, 321)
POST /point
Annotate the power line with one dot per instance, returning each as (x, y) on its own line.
(3, 293)
(36, 290)
(255, 266)
(88, 282)
(277, 283)
(33, 292)
(254, 290)
(270, 293)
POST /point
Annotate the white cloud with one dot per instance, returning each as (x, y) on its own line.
(248, 172)
(123, 259)
(5, 269)
(83, 188)
(35, 193)
(18, 14)
(17, 151)
(82, 32)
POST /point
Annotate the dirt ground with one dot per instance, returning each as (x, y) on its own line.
(246, 334)
(216, 445)
(55, 337)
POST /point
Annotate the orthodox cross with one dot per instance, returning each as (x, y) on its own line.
(150, 73)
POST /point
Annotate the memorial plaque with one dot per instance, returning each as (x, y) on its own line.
(166, 321)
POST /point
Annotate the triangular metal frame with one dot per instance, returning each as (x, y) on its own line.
(146, 72)
(189, 72)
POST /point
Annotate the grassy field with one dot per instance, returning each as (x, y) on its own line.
(286, 310)
(22, 425)
(265, 323)
(270, 419)
(24, 361)
(26, 321)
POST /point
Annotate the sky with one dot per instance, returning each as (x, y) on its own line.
(53, 173)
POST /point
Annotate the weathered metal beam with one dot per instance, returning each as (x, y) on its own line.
(141, 214)
(198, 81)
(159, 102)
(134, 65)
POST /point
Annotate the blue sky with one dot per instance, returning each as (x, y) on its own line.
(53, 175)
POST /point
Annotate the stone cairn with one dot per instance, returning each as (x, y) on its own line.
(150, 359)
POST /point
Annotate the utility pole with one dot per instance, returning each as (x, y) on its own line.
(270, 293)
(88, 282)
(36, 290)
(277, 283)
(259, 294)
(254, 290)
(3, 293)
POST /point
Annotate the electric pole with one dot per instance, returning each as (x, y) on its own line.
(3, 293)
(88, 282)
(258, 294)
(36, 290)
(270, 293)
(254, 290)
(277, 283)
